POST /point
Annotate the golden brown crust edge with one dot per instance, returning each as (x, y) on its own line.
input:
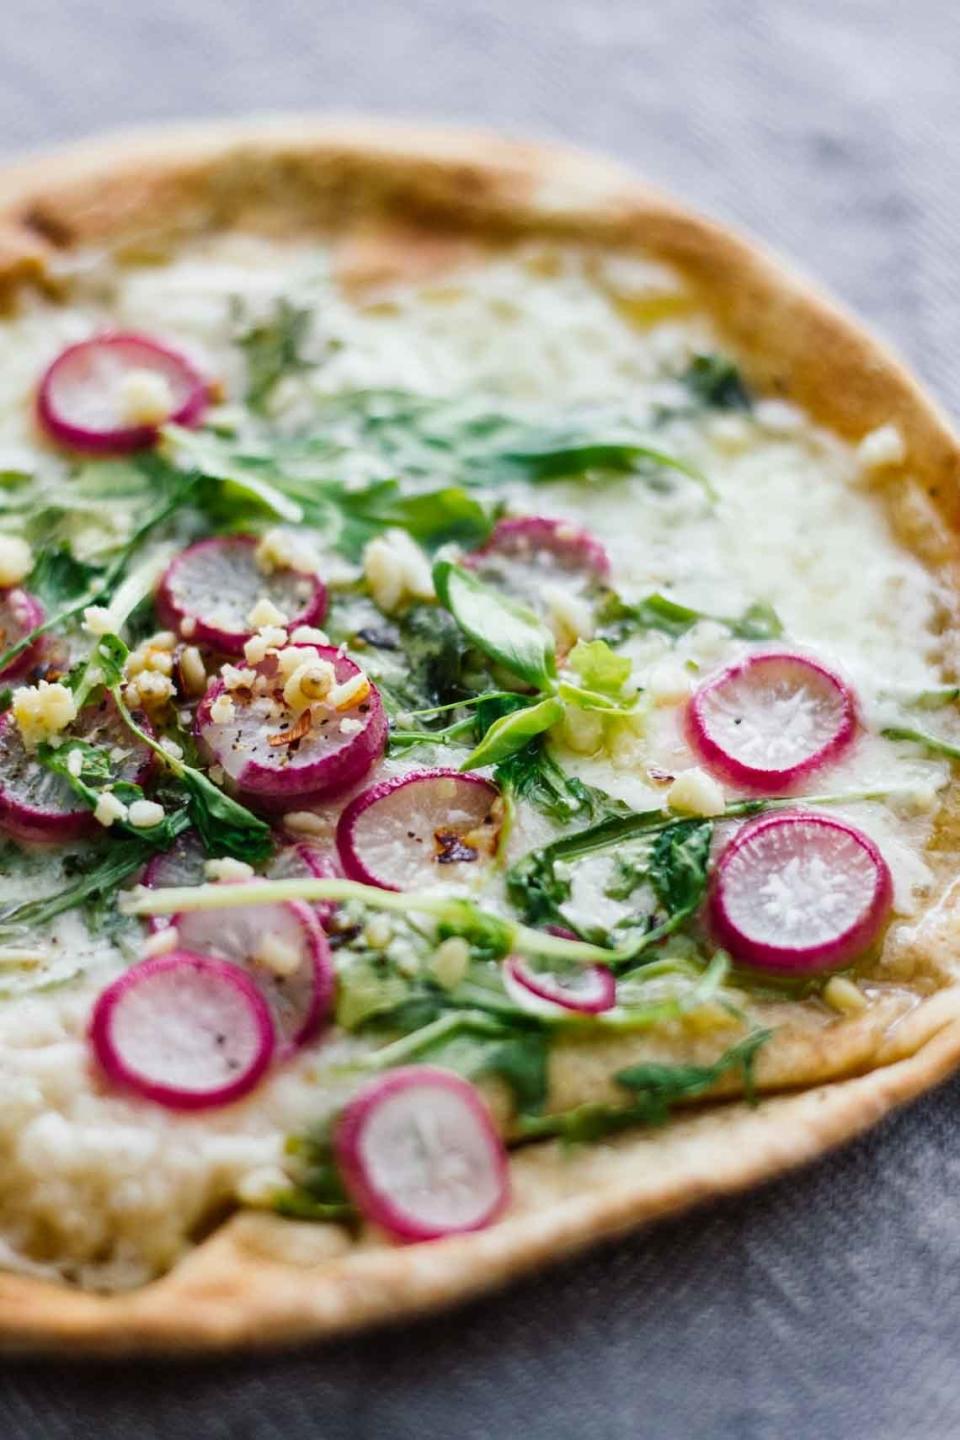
(261, 1280)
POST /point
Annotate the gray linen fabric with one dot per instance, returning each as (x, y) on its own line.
(828, 1304)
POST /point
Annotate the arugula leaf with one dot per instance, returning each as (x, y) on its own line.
(534, 776)
(512, 732)
(618, 619)
(678, 869)
(714, 380)
(566, 462)
(599, 667)
(273, 349)
(507, 632)
(931, 743)
(433, 517)
(58, 577)
(655, 1088)
(522, 1061)
(95, 777)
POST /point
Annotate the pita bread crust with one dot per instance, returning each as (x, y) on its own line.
(435, 196)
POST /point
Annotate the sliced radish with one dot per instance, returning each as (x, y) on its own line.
(586, 990)
(420, 1156)
(799, 892)
(278, 760)
(182, 864)
(87, 398)
(426, 828)
(19, 614)
(38, 806)
(208, 590)
(306, 862)
(183, 1030)
(770, 720)
(283, 949)
(539, 545)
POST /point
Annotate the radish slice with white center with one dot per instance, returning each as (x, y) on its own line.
(419, 1154)
(430, 827)
(95, 395)
(281, 761)
(799, 892)
(584, 990)
(208, 590)
(767, 722)
(40, 807)
(534, 556)
(19, 614)
(182, 864)
(183, 1030)
(283, 949)
(306, 862)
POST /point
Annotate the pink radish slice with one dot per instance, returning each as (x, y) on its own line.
(254, 937)
(306, 862)
(420, 1156)
(427, 828)
(80, 402)
(182, 864)
(329, 757)
(19, 614)
(588, 990)
(38, 806)
(770, 720)
(183, 1030)
(540, 543)
(799, 892)
(209, 589)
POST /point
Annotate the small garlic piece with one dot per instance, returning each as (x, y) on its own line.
(16, 560)
(694, 792)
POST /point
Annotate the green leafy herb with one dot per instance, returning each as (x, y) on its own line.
(433, 517)
(512, 732)
(273, 349)
(319, 1193)
(619, 619)
(96, 776)
(714, 380)
(599, 667)
(507, 632)
(930, 743)
(655, 1089)
(57, 577)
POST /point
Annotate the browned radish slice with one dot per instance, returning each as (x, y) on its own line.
(184, 1031)
(208, 591)
(96, 395)
(799, 892)
(19, 614)
(420, 1156)
(279, 760)
(284, 950)
(182, 864)
(770, 720)
(35, 804)
(427, 828)
(585, 990)
(306, 862)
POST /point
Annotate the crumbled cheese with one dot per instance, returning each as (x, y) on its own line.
(144, 814)
(193, 674)
(109, 809)
(378, 932)
(281, 550)
(228, 869)
(42, 711)
(279, 955)
(260, 1187)
(350, 693)
(144, 397)
(881, 447)
(154, 655)
(305, 822)
(174, 750)
(668, 683)
(694, 792)
(153, 687)
(309, 635)
(397, 570)
(160, 942)
(779, 417)
(237, 677)
(255, 649)
(568, 615)
(222, 710)
(75, 763)
(99, 620)
(16, 560)
(349, 726)
(188, 627)
(265, 613)
(844, 996)
(450, 961)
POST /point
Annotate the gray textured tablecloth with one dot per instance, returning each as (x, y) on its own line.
(826, 1306)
